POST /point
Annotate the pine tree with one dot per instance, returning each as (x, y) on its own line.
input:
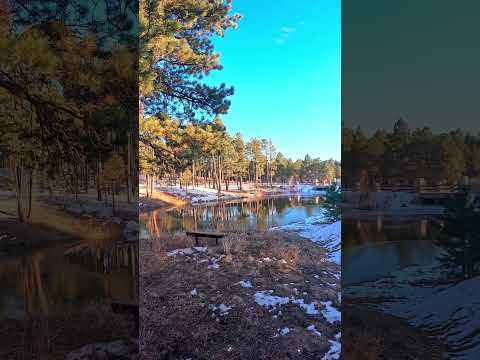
(460, 235)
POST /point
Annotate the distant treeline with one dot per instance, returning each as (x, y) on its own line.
(205, 153)
(409, 156)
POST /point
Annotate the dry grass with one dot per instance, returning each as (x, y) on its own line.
(234, 243)
(177, 325)
(169, 199)
(78, 226)
(166, 242)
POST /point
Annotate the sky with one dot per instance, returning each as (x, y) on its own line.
(412, 59)
(284, 61)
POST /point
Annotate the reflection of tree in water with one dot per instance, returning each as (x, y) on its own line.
(113, 257)
(241, 216)
(52, 289)
(35, 296)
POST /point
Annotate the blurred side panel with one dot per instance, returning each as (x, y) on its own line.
(68, 179)
(411, 175)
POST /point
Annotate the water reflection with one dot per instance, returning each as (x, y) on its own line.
(386, 244)
(380, 229)
(241, 215)
(50, 281)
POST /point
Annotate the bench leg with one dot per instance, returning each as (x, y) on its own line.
(196, 240)
(216, 241)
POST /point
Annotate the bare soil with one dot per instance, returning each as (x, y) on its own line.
(176, 324)
(372, 335)
(55, 336)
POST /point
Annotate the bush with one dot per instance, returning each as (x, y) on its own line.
(234, 243)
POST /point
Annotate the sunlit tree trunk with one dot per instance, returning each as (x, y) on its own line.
(23, 187)
(99, 178)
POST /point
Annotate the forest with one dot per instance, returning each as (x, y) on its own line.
(68, 91)
(204, 153)
(409, 156)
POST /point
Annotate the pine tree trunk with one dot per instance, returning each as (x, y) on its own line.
(113, 198)
(86, 176)
(99, 178)
(194, 177)
(146, 185)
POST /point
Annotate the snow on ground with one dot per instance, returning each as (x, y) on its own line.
(244, 284)
(308, 308)
(266, 299)
(214, 263)
(263, 298)
(313, 329)
(390, 202)
(308, 189)
(187, 251)
(335, 349)
(419, 295)
(330, 313)
(198, 194)
(203, 194)
(220, 310)
(282, 332)
(315, 229)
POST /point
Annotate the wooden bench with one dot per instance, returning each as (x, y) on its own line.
(197, 234)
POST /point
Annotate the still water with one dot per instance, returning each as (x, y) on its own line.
(376, 246)
(65, 277)
(243, 215)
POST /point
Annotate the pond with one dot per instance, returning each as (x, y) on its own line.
(245, 215)
(377, 246)
(391, 264)
(66, 277)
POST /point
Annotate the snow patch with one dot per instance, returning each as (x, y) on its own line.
(330, 313)
(265, 299)
(313, 329)
(315, 229)
(335, 349)
(282, 332)
(244, 284)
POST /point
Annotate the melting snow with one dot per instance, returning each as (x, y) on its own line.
(308, 308)
(315, 229)
(453, 308)
(244, 284)
(186, 251)
(214, 264)
(313, 329)
(264, 299)
(222, 308)
(330, 313)
(335, 349)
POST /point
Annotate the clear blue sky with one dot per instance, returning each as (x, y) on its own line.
(284, 61)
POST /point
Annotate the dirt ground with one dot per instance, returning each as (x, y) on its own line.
(55, 336)
(372, 335)
(182, 296)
